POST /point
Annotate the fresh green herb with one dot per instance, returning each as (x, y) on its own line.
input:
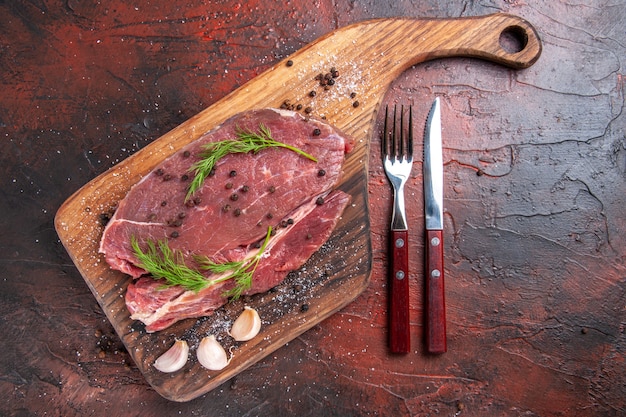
(241, 271)
(245, 142)
(164, 263)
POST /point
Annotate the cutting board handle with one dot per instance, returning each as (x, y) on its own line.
(501, 38)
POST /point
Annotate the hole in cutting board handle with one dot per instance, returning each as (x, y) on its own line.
(513, 39)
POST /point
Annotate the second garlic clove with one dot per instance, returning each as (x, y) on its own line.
(211, 354)
(174, 359)
(247, 325)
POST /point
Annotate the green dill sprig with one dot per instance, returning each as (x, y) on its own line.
(164, 263)
(242, 271)
(246, 141)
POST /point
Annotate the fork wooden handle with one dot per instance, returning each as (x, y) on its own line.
(435, 293)
(399, 320)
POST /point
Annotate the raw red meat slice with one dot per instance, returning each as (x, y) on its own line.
(288, 250)
(229, 215)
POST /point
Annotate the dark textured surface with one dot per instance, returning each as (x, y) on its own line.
(535, 185)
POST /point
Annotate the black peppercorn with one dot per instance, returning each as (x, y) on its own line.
(229, 185)
(159, 172)
(186, 154)
(233, 173)
(304, 308)
(321, 173)
(317, 132)
(319, 201)
(237, 212)
(289, 63)
(175, 223)
(312, 94)
(184, 177)
(234, 197)
(104, 218)
(355, 104)
(245, 189)
(272, 189)
(175, 234)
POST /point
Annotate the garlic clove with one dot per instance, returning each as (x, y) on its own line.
(211, 354)
(174, 359)
(247, 325)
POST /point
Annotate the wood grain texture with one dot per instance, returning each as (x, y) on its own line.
(369, 56)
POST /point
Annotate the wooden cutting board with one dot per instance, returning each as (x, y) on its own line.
(368, 57)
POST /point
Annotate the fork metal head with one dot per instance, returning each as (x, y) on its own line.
(397, 142)
(397, 152)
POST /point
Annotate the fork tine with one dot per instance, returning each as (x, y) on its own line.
(401, 144)
(394, 141)
(410, 145)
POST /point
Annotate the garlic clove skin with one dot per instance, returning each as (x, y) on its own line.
(174, 359)
(211, 354)
(247, 325)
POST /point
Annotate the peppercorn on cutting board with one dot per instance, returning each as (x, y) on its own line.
(368, 56)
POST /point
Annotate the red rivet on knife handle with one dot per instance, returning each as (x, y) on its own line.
(435, 293)
(399, 320)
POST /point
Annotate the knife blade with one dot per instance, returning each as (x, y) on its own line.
(433, 209)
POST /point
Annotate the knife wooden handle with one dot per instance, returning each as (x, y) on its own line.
(435, 293)
(399, 320)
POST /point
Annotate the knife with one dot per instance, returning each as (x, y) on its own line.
(433, 208)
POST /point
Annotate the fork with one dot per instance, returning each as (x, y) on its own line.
(397, 152)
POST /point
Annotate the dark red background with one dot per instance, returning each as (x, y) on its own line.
(535, 220)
